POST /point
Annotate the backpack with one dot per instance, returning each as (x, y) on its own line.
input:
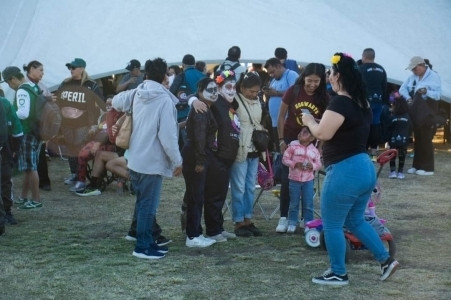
(291, 64)
(47, 122)
(228, 67)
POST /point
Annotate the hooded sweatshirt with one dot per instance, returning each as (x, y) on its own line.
(297, 153)
(154, 146)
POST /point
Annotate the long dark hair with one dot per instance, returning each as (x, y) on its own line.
(351, 79)
(400, 106)
(248, 80)
(320, 96)
(32, 64)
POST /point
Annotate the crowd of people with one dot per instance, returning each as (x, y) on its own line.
(202, 124)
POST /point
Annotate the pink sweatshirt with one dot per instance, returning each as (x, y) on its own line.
(297, 153)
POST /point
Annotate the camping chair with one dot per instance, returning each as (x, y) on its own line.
(256, 202)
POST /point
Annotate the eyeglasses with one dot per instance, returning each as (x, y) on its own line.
(212, 90)
(72, 68)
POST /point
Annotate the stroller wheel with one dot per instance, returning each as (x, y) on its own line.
(312, 238)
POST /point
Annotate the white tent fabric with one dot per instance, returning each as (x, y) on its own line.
(107, 34)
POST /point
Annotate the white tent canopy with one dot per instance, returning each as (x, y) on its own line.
(108, 33)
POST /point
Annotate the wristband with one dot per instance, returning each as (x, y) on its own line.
(282, 142)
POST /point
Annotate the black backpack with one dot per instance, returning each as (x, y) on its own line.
(46, 125)
(228, 67)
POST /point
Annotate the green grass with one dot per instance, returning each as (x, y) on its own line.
(74, 248)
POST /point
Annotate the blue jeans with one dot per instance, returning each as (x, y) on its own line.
(242, 184)
(300, 190)
(347, 188)
(148, 189)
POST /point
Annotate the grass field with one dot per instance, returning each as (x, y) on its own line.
(74, 248)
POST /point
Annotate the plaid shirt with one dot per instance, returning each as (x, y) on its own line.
(297, 153)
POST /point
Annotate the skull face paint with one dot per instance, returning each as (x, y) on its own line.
(228, 90)
(211, 92)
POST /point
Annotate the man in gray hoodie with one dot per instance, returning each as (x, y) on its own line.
(153, 151)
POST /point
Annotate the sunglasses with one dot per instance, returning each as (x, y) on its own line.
(212, 90)
(72, 68)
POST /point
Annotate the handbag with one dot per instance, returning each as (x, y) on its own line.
(125, 124)
(260, 138)
(264, 178)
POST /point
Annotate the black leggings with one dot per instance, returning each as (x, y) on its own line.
(402, 151)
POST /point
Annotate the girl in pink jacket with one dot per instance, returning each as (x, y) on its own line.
(303, 159)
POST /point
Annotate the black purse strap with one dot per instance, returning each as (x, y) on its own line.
(250, 118)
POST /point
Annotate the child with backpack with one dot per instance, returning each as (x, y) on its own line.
(399, 131)
(303, 159)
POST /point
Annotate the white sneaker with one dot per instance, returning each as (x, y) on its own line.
(424, 173)
(283, 225)
(291, 229)
(228, 235)
(401, 175)
(219, 238)
(392, 175)
(199, 242)
(411, 171)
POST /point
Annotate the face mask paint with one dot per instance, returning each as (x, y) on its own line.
(211, 92)
(228, 90)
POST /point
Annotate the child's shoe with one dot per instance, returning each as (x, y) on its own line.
(401, 175)
(392, 175)
(291, 229)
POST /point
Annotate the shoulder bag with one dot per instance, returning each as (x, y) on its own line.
(260, 138)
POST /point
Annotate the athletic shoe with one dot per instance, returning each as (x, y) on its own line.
(219, 238)
(20, 201)
(228, 235)
(411, 171)
(148, 253)
(401, 175)
(71, 179)
(424, 173)
(255, 231)
(199, 242)
(46, 188)
(88, 191)
(392, 175)
(291, 229)
(162, 241)
(388, 268)
(10, 218)
(243, 232)
(30, 204)
(160, 249)
(283, 225)
(78, 187)
(330, 278)
(130, 238)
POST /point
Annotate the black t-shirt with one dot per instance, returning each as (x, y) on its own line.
(375, 79)
(228, 137)
(350, 139)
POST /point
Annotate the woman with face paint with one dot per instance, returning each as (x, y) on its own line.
(197, 156)
(226, 149)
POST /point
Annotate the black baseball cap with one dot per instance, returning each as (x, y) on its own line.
(134, 63)
(9, 73)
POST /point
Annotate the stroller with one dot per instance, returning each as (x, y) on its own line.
(314, 235)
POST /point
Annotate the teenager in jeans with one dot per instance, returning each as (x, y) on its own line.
(244, 169)
(309, 92)
(153, 150)
(303, 159)
(351, 176)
